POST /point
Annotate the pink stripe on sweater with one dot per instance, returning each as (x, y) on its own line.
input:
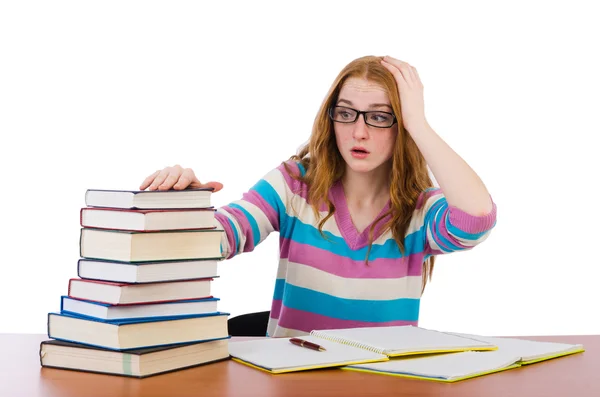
(439, 228)
(254, 198)
(224, 221)
(241, 219)
(424, 196)
(472, 223)
(306, 321)
(275, 308)
(296, 186)
(345, 267)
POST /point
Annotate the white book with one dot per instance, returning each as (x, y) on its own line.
(104, 311)
(147, 220)
(146, 272)
(165, 245)
(146, 199)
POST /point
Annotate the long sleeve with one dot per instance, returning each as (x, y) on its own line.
(449, 229)
(261, 210)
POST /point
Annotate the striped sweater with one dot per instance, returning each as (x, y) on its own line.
(324, 283)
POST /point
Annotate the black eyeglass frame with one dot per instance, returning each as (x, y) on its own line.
(358, 113)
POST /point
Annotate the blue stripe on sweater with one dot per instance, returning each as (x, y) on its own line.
(251, 221)
(271, 197)
(441, 212)
(304, 299)
(308, 234)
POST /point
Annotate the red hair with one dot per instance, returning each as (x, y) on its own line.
(324, 164)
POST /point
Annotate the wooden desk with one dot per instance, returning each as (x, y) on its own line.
(22, 375)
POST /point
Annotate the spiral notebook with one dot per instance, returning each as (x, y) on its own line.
(403, 340)
(348, 347)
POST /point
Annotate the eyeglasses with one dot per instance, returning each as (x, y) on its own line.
(374, 118)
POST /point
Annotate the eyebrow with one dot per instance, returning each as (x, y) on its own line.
(371, 106)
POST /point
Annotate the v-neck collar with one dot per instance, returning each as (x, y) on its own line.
(343, 219)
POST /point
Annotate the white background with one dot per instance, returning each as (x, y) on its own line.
(101, 94)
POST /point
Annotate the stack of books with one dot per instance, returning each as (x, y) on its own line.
(142, 302)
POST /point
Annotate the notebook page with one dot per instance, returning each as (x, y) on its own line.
(402, 339)
(278, 354)
(449, 366)
(527, 349)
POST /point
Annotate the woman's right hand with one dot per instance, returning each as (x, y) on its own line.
(177, 178)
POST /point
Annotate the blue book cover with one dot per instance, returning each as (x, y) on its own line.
(129, 322)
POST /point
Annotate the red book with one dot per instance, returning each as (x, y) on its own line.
(126, 294)
(147, 220)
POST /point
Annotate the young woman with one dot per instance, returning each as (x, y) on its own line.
(358, 216)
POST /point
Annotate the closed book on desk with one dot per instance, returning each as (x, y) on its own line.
(146, 199)
(146, 272)
(137, 333)
(147, 220)
(124, 293)
(137, 363)
(104, 311)
(126, 246)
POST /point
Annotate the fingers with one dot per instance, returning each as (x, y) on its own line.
(166, 178)
(395, 70)
(215, 185)
(401, 70)
(396, 62)
(187, 178)
(149, 180)
(170, 180)
(177, 178)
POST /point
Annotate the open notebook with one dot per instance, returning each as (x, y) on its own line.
(511, 353)
(449, 367)
(347, 347)
(528, 351)
(278, 355)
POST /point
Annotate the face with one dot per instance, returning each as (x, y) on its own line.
(364, 148)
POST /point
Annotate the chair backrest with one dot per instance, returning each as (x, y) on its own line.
(249, 324)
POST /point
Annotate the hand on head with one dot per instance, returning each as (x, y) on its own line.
(177, 178)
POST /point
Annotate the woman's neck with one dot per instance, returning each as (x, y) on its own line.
(367, 189)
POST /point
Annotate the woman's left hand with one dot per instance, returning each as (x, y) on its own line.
(410, 89)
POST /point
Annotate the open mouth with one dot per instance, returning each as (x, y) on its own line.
(359, 150)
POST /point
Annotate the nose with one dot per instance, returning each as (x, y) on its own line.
(360, 130)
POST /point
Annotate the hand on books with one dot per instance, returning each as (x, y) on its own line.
(177, 178)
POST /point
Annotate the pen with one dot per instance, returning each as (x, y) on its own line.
(307, 344)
